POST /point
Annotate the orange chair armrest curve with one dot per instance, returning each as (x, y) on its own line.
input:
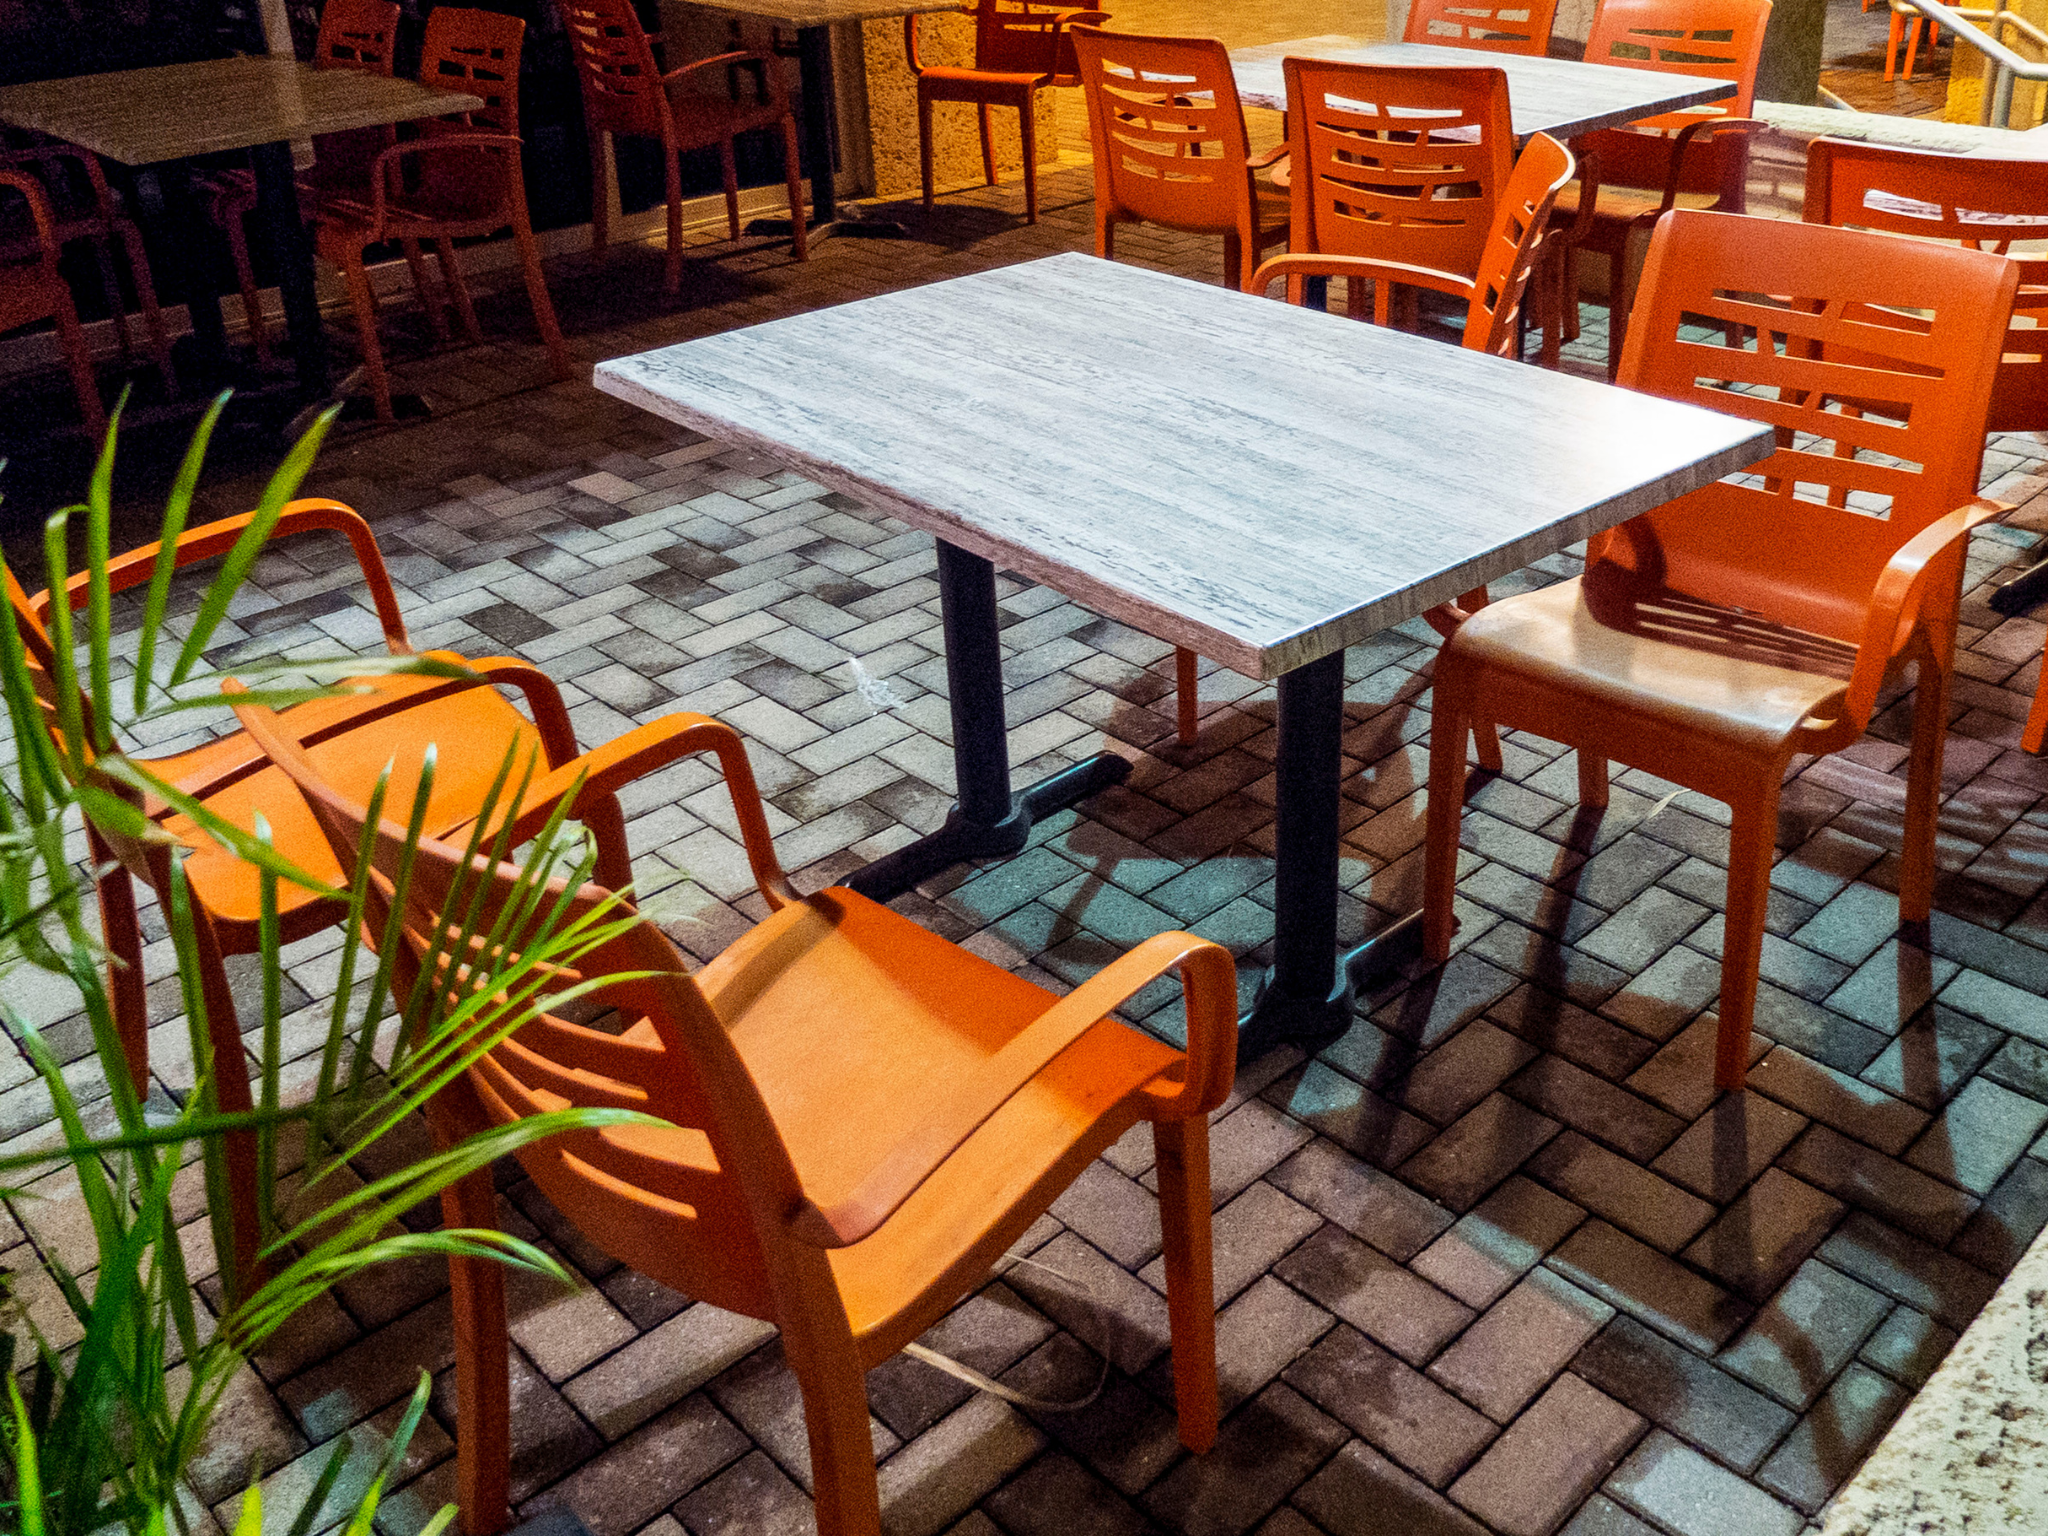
(736, 56)
(1682, 141)
(1272, 156)
(1296, 264)
(1206, 969)
(652, 747)
(1896, 599)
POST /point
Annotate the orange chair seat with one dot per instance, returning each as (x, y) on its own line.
(1692, 665)
(891, 992)
(974, 83)
(471, 733)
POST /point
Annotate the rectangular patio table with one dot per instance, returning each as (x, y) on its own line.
(1560, 97)
(169, 113)
(1260, 483)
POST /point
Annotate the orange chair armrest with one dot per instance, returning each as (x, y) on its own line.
(1297, 265)
(1272, 156)
(1683, 141)
(604, 770)
(736, 56)
(1901, 593)
(38, 208)
(1210, 979)
(137, 565)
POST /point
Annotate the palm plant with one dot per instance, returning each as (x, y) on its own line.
(100, 1436)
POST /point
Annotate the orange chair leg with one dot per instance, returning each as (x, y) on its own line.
(988, 147)
(537, 295)
(1234, 246)
(1486, 746)
(1449, 720)
(245, 278)
(847, 1497)
(729, 174)
(240, 1270)
(1592, 779)
(152, 312)
(110, 285)
(458, 289)
(123, 936)
(2037, 716)
(1105, 232)
(792, 172)
(672, 262)
(1027, 119)
(1914, 31)
(483, 1386)
(1187, 694)
(600, 202)
(924, 144)
(1182, 1149)
(423, 289)
(1569, 298)
(1891, 47)
(1923, 792)
(1752, 840)
(366, 332)
(79, 360)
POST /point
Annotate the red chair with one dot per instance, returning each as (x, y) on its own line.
(1630, 177)
(1019, 49)
(459, 179)
(1521, 26)
(32, 289)
(625, 91)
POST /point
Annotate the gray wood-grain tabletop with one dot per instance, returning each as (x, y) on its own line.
(1560, 97)
(170, 111)
(1261, 483)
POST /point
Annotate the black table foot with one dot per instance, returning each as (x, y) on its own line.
(1282, 1018)
(2024, 591)
(960, 839)
(845, 225)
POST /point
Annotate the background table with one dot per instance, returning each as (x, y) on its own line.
(813, 21)
(1560, 97)
(168, 114)
(1260, 483)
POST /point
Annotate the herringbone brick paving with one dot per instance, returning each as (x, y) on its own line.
(1500, 1259)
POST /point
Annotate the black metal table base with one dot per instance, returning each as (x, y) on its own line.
(2024, 591)
(844, 227)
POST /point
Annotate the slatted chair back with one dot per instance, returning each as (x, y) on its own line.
(358, 35)
(1984, 204)
(1016, 39)
(476, 52)
(622, 91)
(1874, 363)
(1167, 127)
(1396, 163)
(1521, 225)
(1519, 26)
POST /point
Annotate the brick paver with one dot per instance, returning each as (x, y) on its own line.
(1500, 1259)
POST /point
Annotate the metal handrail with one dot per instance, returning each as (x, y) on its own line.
(2006, 66)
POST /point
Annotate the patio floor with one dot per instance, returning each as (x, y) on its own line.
(1499, 1260)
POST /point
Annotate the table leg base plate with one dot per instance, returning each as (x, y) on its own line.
(826, 229)
(960, 839)
(2024, 591)
(1277, 1018)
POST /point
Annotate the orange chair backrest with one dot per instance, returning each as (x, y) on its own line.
(1879, 410)
(357, 34)
(1521, 223)
(1519, 26)
(1396, 163)
(615, 65)
(683, 1199)
(1167, 127)
(476, 52)
(1719, 39)
(1985, 204)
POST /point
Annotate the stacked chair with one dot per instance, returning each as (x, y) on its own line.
(32, 289)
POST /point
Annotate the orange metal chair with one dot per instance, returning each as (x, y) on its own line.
(352, 737)
(1018, 49)
(1630, 177)
(465, 180)
(33, 289)
(83, 207)
(625, 91)
(1716, 638)
(1170, 148)
(1511, 28)
(1910, 27)
(829, 1190)
(354, 34)
(1985, 204)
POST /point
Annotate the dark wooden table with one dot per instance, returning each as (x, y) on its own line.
(1260, 483)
